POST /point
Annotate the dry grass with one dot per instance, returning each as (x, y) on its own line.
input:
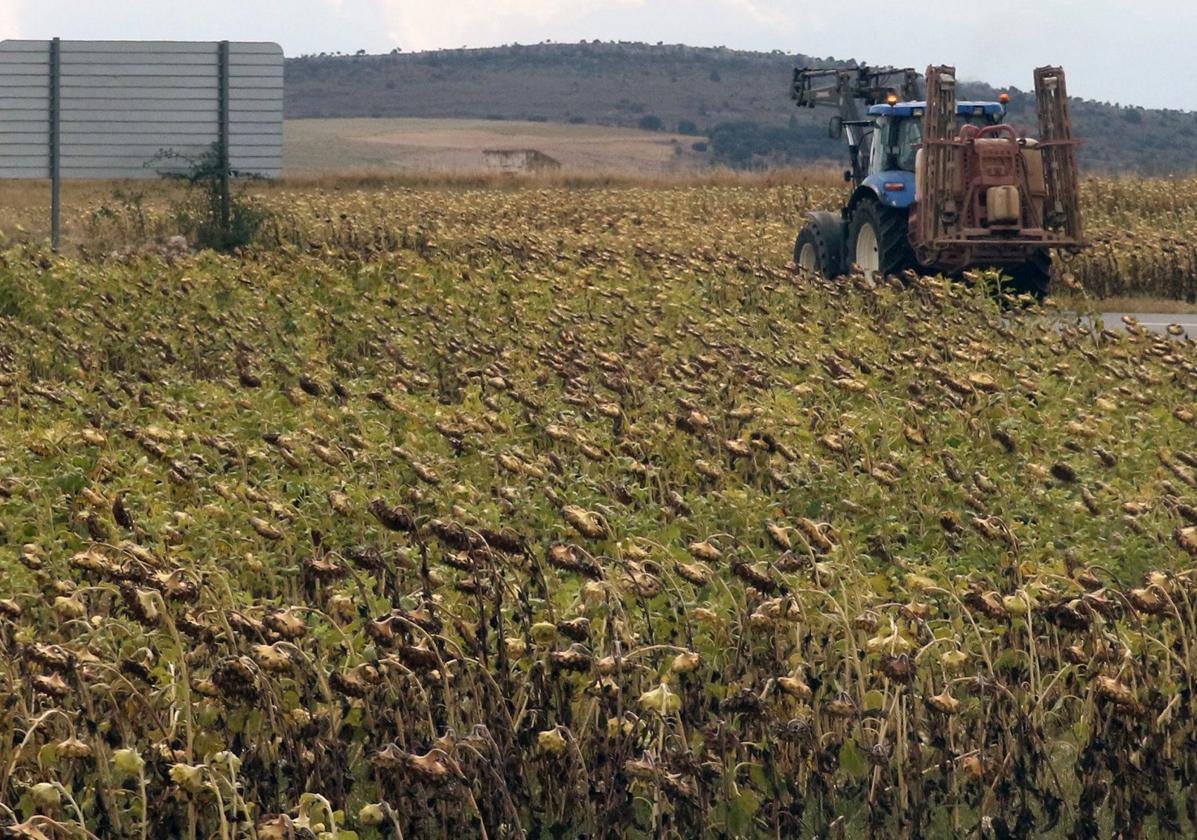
(25, 205)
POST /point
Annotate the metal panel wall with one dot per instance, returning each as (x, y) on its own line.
(124, 104)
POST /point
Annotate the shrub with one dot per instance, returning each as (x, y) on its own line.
(200, 214)
(746, 145)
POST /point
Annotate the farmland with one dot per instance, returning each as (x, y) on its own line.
(518, 510)
(319, 146)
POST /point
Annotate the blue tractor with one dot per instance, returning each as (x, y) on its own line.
(940, 185)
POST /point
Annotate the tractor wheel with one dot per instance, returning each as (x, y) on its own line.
(818, 247)
(878, 243)
(1034, 277)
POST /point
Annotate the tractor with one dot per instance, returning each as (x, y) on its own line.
(941, 186)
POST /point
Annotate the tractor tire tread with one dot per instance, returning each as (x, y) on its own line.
(826, 264)
(893, 240)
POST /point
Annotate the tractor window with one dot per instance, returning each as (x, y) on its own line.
(979, 120)
(867, 149)
(910, 135)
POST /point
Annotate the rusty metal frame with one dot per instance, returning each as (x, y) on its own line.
(936, 213)
(1059, 152)
(945, 229)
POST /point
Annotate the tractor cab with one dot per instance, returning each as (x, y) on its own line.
(890, 149)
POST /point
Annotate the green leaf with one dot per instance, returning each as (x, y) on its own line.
(47, 756)
(1008, 660)
(852, 760)
(756, 774)
(71, 482)
(740, 813)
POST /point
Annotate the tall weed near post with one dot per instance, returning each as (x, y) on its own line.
(199, 215)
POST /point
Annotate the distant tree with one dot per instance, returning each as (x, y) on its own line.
(687, 127)
(1133, 116)
(747, 145)
(651, 122)
(715, 77)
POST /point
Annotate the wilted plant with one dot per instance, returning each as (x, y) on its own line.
(516, 513)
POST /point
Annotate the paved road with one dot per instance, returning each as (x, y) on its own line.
(1155, 323)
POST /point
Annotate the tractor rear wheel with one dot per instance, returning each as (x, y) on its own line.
(878, 242)
(1034, 277)
(817, 249)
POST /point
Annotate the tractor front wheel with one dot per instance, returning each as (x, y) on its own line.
(878, 243)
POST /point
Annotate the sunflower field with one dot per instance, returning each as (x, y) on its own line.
(555, 513)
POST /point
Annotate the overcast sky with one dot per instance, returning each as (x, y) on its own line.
(1138, 52)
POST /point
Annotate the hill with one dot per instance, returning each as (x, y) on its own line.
(739, 99)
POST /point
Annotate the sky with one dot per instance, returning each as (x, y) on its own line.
(1113, 50)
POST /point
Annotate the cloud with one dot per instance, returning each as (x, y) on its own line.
(10, 19)
(766, 14)
(415, 25)
(421, 25)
